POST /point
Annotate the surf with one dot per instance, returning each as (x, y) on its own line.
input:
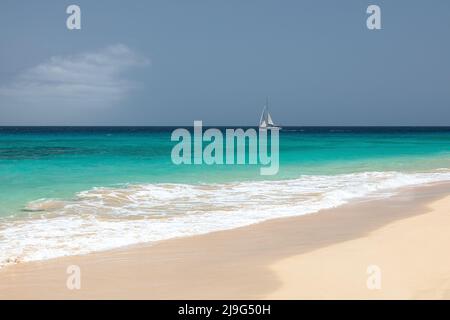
(105, 218)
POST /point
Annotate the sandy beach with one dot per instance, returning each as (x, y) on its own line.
(240, 150)
(318, 256)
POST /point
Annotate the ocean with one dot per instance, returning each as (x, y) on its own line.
(76, 190)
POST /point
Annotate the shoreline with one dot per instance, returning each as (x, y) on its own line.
(113, 217)
(242, 263)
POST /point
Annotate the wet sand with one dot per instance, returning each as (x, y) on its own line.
(322, 255)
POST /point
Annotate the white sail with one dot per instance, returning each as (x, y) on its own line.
(262, 120)
(266, 121)
(269, 120)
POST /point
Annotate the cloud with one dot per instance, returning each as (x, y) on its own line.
(91, 79)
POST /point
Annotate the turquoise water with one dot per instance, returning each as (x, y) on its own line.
(66, 191)
(40, 163)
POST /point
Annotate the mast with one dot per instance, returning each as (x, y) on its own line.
(268, 118)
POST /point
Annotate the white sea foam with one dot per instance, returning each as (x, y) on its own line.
(106, 218)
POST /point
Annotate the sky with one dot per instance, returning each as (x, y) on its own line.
(166, 62)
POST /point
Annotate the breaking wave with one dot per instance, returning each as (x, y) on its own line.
(106, 218)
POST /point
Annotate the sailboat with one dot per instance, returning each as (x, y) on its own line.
(266, 121)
